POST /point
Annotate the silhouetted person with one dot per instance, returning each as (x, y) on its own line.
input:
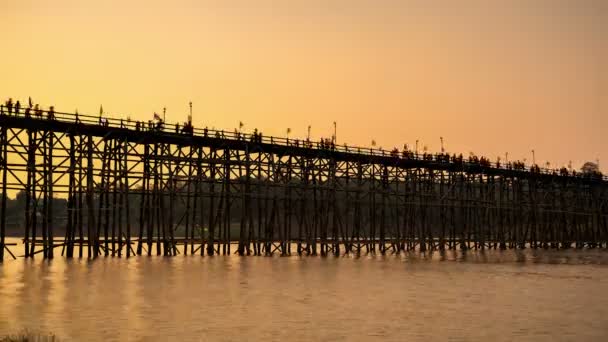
(187, 129)
(17, 107)
(51, 112)
(9, 106)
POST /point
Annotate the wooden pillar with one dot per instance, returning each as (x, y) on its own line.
(244, 187)
(91, 233)
(79, 203)
(103, 205)
(211, 242)
(228, 202)
(115, 152)
(144, 195)
(69, 234)
(286, 248)
(45, 194)
(125, 170)
(383, 204)
(198, 195)
(189, 179)
(260, 203)
(357, 217)
(3, 146)
(30, 195)
(156, 200)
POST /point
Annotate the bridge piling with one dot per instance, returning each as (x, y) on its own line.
(3, 151)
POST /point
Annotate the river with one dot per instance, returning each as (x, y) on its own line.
(527, 295)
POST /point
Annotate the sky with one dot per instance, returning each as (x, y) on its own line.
(488, 76)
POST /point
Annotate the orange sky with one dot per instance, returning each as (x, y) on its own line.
(488, 76)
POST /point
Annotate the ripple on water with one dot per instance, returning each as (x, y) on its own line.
(478, 295)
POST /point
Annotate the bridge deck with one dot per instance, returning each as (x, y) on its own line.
(130, 131)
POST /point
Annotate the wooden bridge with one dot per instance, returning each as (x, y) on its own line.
(91, 186)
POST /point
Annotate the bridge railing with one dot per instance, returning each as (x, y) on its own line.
(167, 128)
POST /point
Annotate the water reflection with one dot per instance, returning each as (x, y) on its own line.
(455, 295)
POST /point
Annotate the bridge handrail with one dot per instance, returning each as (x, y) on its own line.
(238, 135)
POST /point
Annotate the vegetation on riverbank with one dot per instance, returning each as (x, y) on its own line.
(29, 336)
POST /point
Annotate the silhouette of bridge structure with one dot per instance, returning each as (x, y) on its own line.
(93, 186)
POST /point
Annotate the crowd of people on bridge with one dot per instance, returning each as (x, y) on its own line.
(474, 160)
(256, 137)
(14, 108)
(11, 107)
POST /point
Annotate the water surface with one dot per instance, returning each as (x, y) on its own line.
(491, 295)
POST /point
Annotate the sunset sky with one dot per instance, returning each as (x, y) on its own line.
(488, 76)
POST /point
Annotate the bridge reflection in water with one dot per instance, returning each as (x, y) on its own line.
(95, 186)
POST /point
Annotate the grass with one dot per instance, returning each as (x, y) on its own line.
(28, 336)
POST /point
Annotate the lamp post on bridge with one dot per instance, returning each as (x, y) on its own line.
(335, 133)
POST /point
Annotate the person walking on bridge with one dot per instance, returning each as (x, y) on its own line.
(9, 105)
(37, 111)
